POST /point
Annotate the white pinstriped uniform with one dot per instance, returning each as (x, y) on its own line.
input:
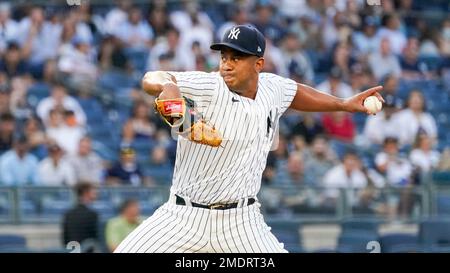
(227, 174)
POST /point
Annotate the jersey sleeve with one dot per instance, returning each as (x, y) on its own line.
(286, 91)
(196, 85)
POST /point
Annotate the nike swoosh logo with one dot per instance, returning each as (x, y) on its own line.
(234, 100)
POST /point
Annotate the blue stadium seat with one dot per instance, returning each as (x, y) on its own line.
(434, 233)
(12, 241)
(441, 178)
(399, 243)
(355, 241)
(287, 233)
(361, 224)
(443, 205)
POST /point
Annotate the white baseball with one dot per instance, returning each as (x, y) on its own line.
(373, 104)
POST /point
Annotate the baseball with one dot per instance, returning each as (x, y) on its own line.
(373, 104)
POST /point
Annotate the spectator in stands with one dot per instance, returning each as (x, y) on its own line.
(88, 166)
(119, 227)
(384, 62)
(366, 41)
(139, 125)
(238, 16)
(60, 98)
(37, 139)
(347, 175)
(194, 25)
(319, 158)
(266, 22)
(445, 38)
(80, 224)
(17, 166)
(39, 39)
(293, 55)
(423, 156)
(343, 59)
(5, 96)
(19, 105)
(383, 124)
(77, 65)
(126, 171)
(8, 26)
(274, 62)
(414, 120)
(334, 85)
(170, 46)
(339, 126)
(392, 165)
(12, 62)
(392, 32)
(135, 33)
(111, 55)
(159, 20)
(444, 162)
(55, 169)
(295, 169)
(409, 61)
(390, 88)
(308, 127)
(64, 130)
(7, 128)
(117, 16)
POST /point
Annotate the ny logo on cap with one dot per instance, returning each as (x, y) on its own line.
(234, 33)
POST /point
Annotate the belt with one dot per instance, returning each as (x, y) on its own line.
(217, 206)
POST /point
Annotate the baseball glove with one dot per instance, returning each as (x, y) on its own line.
(182, 113)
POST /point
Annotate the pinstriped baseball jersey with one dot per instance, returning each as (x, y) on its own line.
(205, 174)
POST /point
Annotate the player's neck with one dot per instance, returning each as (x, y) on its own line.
(249, 90)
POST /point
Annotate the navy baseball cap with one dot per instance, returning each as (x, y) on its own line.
(243, 38)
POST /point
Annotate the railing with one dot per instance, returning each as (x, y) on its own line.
(19, 205)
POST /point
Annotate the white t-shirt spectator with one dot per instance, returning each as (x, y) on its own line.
(137, 36)
(337, 178)
(69, 103)
(60, 175)
(377, 128)
(410, 123)
(66, 137)
(114, 19)
(425, 161)
(398, 171)
(87, 168)
(383, 65)
(343, 90)
(396, 38)
(45, 44)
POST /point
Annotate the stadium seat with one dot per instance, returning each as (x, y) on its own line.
(441, 178)
(9, 241)
(288, 233)
(355, 241)
(399, 243)
(360, 224)
(434, 233)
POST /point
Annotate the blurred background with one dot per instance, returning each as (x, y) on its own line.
(84, 158)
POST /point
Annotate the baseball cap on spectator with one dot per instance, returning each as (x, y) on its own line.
(243, 38)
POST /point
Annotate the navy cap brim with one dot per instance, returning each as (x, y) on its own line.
(219, 46)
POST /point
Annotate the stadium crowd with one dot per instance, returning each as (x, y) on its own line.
(71, 108)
